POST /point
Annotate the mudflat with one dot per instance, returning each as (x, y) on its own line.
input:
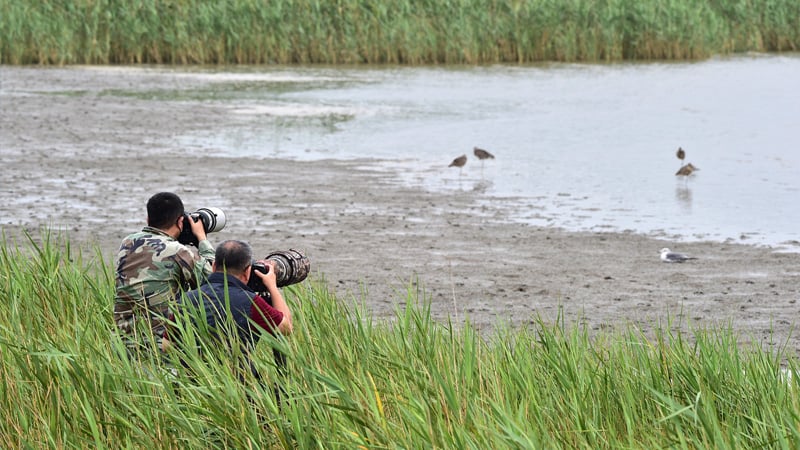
(79, 158)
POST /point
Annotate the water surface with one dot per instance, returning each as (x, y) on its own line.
(584, 147)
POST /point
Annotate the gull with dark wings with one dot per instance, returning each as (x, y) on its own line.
(673, 257)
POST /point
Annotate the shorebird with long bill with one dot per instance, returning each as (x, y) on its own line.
(686, 170)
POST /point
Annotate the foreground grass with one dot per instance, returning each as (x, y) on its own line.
(352, 381)
(402, 31)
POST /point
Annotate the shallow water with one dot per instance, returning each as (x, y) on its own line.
(584, 147)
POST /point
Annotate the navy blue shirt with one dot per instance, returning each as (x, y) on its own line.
(250, 312)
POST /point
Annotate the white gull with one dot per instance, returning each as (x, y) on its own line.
(672, 257)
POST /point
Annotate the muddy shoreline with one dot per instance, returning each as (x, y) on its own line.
(79, 158)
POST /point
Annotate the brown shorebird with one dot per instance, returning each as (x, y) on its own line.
(680, 153)
(459, 162)
(482, 154)
(686, 170)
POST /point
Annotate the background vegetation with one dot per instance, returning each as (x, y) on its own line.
(401, 31)
(355, 382)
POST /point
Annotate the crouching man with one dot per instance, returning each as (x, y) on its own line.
(225, 298)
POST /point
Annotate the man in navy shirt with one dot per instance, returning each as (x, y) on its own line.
(225, 296)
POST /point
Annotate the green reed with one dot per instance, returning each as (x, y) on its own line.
(396, 32)
(353, 381)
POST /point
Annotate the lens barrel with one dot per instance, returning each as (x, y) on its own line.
(213, 220)
(291, 266)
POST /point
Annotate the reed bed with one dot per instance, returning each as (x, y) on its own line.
(390, 32)
(351, 381)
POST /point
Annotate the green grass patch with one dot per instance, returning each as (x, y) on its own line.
(355, 381)
(393, 32)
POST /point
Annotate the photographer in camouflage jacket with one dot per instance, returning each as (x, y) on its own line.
(152, 268)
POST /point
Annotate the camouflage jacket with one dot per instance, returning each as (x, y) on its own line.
(152, 269)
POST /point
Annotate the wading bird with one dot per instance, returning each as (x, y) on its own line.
(680, 154)
(482, 154)
(686, 170)
(459, 162)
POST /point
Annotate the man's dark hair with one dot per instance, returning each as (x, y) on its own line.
(233, 256)
(164, 209)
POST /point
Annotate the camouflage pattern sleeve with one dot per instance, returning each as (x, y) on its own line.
(196, 266)
(206, 252)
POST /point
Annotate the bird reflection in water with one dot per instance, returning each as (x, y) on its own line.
(482, 186)
(683, 195)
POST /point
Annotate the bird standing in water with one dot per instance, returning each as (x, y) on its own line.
(482, 154)
(686, 170)
(459, 162)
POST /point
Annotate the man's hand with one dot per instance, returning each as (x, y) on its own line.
(197, 228)
(268, 278)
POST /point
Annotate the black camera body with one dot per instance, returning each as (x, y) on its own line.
(213, 220)
(291, 266)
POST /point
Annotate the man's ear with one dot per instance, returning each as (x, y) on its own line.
(214, 266)
(247, 273)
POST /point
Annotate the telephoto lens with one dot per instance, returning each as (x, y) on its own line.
(291, 266)
(213, 220)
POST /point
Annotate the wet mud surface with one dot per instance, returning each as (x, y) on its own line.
(77, 158)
